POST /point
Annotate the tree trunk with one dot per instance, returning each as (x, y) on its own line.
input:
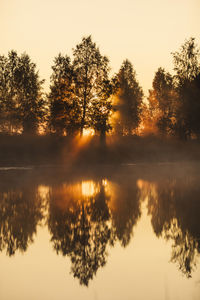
(103, 138)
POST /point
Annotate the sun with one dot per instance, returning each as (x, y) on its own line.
(88, 132)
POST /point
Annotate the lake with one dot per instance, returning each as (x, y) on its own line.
(104, 232)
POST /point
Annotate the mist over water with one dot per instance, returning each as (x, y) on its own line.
(89, 218)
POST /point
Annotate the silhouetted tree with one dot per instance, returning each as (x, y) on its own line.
(186, 62)
(162, 101)
(20, 93)
(101, 107)
(9, 119)
(187, 68)
(30, 101)
(65, 112)
(192, 93)
(128, 100)
(92, 85)
(80, 91)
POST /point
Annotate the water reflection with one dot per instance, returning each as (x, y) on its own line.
(21, 209)
(78, 223)
(174, 206)
(124, 206)
(87, 215)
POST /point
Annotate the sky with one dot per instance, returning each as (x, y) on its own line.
(143, 31)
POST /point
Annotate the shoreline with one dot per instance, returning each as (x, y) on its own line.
(26, 151)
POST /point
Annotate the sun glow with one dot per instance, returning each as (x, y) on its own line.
(88, 188)
(69, 196)
(43, 191)
(88, 132)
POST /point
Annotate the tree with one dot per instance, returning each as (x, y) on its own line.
(192, 92)
(92, 86)
(20, 93)
(80, 91)
(64, 107)
(29, 96)
(129, 99)
(8, 102)
(162, 101)
(3, 90)
(187, 68)
(101, 107)
(186, 62)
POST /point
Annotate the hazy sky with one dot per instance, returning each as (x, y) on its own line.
(144, 31)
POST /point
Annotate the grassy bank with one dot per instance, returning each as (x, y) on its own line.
(24, 150)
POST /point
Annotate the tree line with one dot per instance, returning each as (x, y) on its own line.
(83, 95)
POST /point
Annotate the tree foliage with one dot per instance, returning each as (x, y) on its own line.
(92, 85)
(162, 101)
(21, 102)
(129, 97)
(82, 95)
(186, 62)
(174, 101)
(64, 107)
(187, 68)
(80, 90)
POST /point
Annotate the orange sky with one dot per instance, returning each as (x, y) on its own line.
(144, 31)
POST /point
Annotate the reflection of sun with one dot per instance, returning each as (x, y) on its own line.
(82, 191)
(105, 182)
(43, 191)
(88, 188)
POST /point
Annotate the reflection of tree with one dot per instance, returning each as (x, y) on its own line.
(84, 221)
(125, 210)
(20, 212)
(79, 228)
(160, 205)
(184, 248)
(175, 211)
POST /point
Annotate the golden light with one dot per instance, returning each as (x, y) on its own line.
(88, 132)
(89, 188)
(105, 182)
(43, 191)
(147, 189)
(67, 196)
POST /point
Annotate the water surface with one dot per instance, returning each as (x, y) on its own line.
(128, 232)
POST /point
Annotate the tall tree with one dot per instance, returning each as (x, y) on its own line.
(29, 94)
(8, 103)
(3, 91)
(162, 101)
(187, 68)
(192, 92)
(129, 99)
(101, 107)
(64, 106)
(92, 84)
(186, 62)
(20, 93)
